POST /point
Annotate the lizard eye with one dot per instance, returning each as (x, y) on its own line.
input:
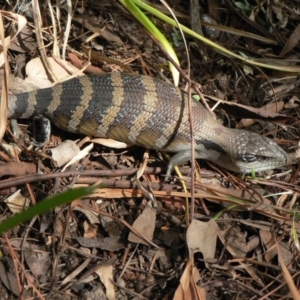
(248, 158)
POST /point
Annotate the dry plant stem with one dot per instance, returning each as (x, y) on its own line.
(192, 134)
(32, 197)
(68, 28)
(195, 16)
(125, 255)
(76, 271)
(55, 48)
(29, 189)
(130, 292)
(42, 177)
(282, 185)
(114, 183)
(38, 27)
(253, 261)
(277, 287)
(274, 282)
(127, 184)
(54, 272)
(23, 242)
(125, 265)
(238, 183)
(15, 260)
(62, 238)
(4, 95)
(287, 276)
(58, 14)
(21, 266)
(248, 287)
(192, 155)
(61, 63)
(90, 271)
(150, 287)
(5, 157)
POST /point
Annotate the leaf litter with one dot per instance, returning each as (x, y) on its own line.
(129, 239)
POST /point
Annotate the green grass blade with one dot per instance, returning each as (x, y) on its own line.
(220, 49)
(147, 23)
(44, 206)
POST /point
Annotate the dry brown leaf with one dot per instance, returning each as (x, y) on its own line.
(264, 111)
(77, 271)
(110, 143)
(20, 22)
(110, 193)
(5, 82)
(235, 241)
(64, 152)
(80, 64)
(202, 237)
(188, 288)
(291, 42)
(112, 243)
(16, 202)
(286, 253)
(38, 262)
(244, 111)
(289, 280)
(145, 225)
(269, 242)
(90, 214)
(90, 230)
(36, 69)
(24, 42)
(9, 280)
(81, 154)
(140, 173)
(17, 169)
(105, 274)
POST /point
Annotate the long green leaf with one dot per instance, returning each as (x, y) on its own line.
(44, 206)
(278, 66)
(147, 23)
